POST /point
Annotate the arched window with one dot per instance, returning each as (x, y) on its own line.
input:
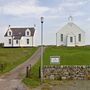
(9, 33)
(27, 33)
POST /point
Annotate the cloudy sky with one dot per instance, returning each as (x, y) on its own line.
(55, 13)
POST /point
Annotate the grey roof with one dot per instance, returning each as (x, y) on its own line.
(19, 32)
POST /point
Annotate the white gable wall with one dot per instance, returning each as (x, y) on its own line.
(70, 29)
(23, 41)
(15, 44)
(68, 43)
(8, 32)
(6, 42)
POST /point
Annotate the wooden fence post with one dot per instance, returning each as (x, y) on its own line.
(39, 72)
(2, 67)
(30, 70)
(27, 72)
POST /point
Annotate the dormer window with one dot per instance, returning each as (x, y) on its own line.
(27, 33)
(9, 33)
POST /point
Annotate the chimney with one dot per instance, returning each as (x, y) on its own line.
(9, 26)
(34, 26)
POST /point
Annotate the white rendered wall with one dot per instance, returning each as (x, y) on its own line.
(6, 42)
(72, 30)
(21, 43)
(70, 44)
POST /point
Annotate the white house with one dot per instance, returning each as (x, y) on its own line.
(70, 35)
(19, 37)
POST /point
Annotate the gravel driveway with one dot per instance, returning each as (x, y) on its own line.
(12, 79)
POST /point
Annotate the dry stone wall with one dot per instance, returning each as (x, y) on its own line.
(67, 72)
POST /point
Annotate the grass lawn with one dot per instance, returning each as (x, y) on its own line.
(34, 79)
(11, 57)
(68, 56)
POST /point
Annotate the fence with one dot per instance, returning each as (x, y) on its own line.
(2, 67)
(76, 72)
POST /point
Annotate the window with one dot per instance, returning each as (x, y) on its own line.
(27, 33)
(9, 41)
(16, 41)
(9, 33)
(71, 39)
(27, 41)
(61, 37)
(79, 37)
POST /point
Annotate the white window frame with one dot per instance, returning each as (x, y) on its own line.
(61, 37)
(79, 37)
(17, 42)
(9, 41)
(28, 41)
(71, 39)
(9, 33)
(28, 33)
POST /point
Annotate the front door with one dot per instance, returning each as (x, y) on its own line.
(70, 40)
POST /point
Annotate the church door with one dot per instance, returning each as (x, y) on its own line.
(70, 40)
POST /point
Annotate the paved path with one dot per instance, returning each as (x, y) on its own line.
(12, 79)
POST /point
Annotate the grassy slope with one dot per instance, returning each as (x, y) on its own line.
(12, 57)
(69, 56)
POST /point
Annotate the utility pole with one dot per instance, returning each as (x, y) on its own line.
(42, 49)
(56, 39)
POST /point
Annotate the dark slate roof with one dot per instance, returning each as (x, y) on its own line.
(19, 32)
(17, 37)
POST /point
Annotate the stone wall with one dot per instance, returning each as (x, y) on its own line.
(67, 72)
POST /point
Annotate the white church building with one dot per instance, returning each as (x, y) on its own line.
(70, 35)
(19, 37)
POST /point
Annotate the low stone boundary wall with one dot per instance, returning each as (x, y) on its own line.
(75, 72)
